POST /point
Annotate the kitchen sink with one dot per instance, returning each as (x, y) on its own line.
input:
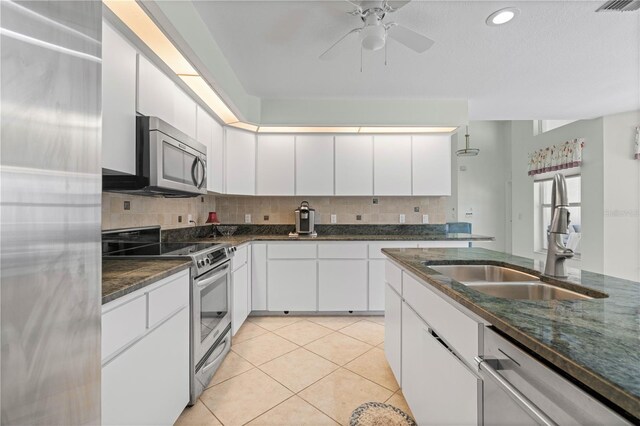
(506, 283)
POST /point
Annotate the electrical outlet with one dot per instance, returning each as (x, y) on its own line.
(375, 201)
(179, 219)
(425, 218)
(334, 218)
(416, 209)
(247, 218)
(265, 217)
(358, 217)
(402, 218)
(127, 205)
(202, 199)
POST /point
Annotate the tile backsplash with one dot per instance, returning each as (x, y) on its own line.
(348, 210)
(147, 211)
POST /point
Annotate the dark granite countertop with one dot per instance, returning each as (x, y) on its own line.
(124, 276)
(241, 239)
(596, 342)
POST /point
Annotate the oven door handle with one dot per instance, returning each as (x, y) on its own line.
(208, 281)
(213, 362)
(516, 395)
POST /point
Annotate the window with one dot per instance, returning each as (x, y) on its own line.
(542, 126)
(542, 213)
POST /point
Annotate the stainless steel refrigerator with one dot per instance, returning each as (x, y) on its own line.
(50, 194)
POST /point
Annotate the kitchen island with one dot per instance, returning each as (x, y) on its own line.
(595, 341)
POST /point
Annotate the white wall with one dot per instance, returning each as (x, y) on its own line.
(621, 197)
(481, 183)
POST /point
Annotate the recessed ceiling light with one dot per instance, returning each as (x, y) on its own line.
(502, 16)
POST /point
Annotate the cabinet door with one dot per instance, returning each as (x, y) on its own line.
(314, 165)
(292, 285)
(426, 362)
(354, 165)
(342, 285)
(239, 297)
(118, 102)
(376, 284)
(392, 165)
(155, 92)
(259, 277)
(276, 163)
(240, 166)
(393, 331)
(152, 370)
(204, 135)
(215, 159)
(431, 165)
(184, 112)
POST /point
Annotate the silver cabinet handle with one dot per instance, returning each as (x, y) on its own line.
(517, 396)
(210, 364)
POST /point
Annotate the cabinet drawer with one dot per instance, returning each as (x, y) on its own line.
(168, 298)
(123, 324)
(452, 325)
(393, 276)
(240, 257)
(291, 250)
(374, 248)
(342, 251)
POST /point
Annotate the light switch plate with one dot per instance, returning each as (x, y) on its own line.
(334, 218)
(247, 218)
(402, 218)
(425, 218)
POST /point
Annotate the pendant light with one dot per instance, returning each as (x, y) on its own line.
(466, 151)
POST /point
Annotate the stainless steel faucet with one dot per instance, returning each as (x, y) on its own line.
(557, 252)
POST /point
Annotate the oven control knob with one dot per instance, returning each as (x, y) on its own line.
(207, 261)
(201, 263)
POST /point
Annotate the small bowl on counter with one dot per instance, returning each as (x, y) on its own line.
(226, 230)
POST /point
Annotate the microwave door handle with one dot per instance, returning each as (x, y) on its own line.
(193, 171)
(204, 172)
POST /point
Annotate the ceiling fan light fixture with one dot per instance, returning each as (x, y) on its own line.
(373, 37)
(502, 16)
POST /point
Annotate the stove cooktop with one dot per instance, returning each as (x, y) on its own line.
(156, 249)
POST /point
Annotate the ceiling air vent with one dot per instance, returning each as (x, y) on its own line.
(619, 6)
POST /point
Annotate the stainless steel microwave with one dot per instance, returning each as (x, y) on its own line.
(168, 163)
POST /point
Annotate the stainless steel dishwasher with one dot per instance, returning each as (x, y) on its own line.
(520, 390)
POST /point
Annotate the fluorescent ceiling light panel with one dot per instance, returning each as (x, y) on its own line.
(245, 126)
(210, 97)
(428, 129)
(139, 22)
(288, 129)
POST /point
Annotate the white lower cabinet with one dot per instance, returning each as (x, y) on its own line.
(151, 363)
(258, 277)
(239, 297)
(292, 285)
(376, 285)
(342, 285)
(439, 388)
(393, 331)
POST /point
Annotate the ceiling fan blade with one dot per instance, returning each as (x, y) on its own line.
(343, 7)
(396, 4)
(409, 38)
(332, 52)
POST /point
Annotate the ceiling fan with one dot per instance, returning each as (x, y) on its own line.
(373, 34)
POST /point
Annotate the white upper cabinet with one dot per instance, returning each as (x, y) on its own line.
(354, 165)
(204, 135)
(184, 112)
(432, 165)
(314, 165)
(118, 102)
(215, 159)
(276, 165)
(392, 168)
(240, 167)
(155, 91)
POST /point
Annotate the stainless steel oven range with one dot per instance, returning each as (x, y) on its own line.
(210, 293)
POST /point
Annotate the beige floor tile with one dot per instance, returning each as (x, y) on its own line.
(248, 331)
(397, 400)
(244, 397)
(263, 348)
(373, 365)
(334, 323)
(294, 411)
(338, 348)
(274, 322)
(232, 366)
(378, 319)
(298, 369)
(342, 391)
(365, 331)
(198, 415)
(303, 332)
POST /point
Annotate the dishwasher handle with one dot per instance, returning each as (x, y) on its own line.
(516, 395)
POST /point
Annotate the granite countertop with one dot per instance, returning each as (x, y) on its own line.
(124, 276)
(241, 239)
(597, 341)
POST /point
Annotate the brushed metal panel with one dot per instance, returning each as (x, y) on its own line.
(50, 190)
